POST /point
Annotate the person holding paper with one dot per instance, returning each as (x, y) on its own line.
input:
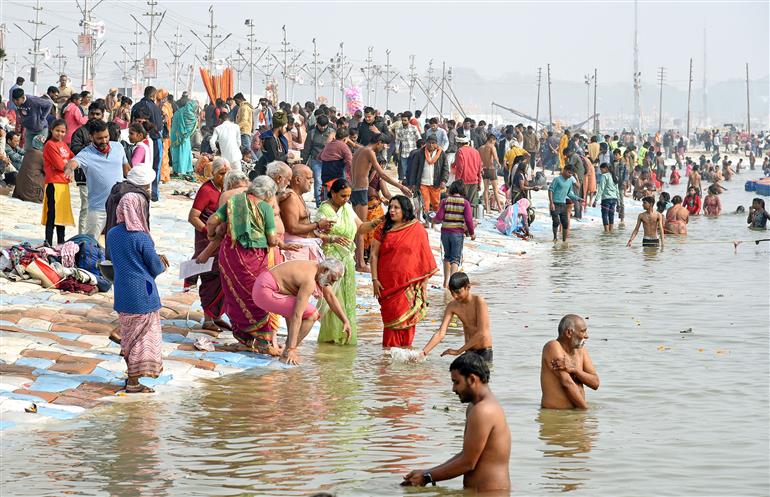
(210, 289)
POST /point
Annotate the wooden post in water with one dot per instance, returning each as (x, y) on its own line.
(537, 107)
(748, 102)
(689, 100)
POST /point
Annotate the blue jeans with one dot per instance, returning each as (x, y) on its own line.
(453, 247)
(316, 165)
(608, 211)
(402, 167)
(246, 141)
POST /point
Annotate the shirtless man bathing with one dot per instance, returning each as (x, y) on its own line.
(472, 311)
(483, 460)
(566, 366)
(364, 160)
(653, 225)
(286, 289)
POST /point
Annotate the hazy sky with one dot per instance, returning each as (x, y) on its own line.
(493, 38)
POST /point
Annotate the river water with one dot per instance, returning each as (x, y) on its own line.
(677, 413)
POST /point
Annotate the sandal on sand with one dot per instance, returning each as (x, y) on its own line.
(115, 338)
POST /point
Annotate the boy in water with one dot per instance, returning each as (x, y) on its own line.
(472, 311)
(653, 225)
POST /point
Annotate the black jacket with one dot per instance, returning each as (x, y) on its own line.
(81, 138)
(156, 117)
(365, 135)
(440, 169)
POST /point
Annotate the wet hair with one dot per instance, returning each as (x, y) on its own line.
(740, 210)
(381, 137)
(406, 207)
(457, 188)
(568, 322)
(338, 185)
(458, 280)
(676, 200)
(57, 122)
(341, 133)
(471, 363)
(332, 265)
(759, 201)
(97, 127)
(649, 199)
(713, 190)
(663, 201)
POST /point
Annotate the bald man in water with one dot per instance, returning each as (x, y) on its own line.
(566, 366)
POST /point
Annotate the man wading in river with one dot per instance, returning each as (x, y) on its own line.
(483, 462)
(566, 366)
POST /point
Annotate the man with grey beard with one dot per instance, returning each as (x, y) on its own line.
(566, 366)
(286, 290)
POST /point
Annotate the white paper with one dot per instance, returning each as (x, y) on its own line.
(191, 268)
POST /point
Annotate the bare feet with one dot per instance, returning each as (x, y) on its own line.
(138, 388)
(211, 329)
(222, 324)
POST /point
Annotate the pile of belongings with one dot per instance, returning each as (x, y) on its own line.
(71, 267)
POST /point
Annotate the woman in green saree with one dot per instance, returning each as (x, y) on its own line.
(183, 125)
(339, 244)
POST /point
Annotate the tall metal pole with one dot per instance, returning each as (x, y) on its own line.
(596, 84)
(412, 78)
(285, 63)
(537, 106)
(748, 102)
(87, 59)
(550, 107)
(61, 58)
(637, 75)
(36, 39)
(443, 79)
(705, 84)
(689, 101)
(661, 78)
(587, 78)
(315, 72)
(250, 24)
(136, 44)
(387, 79)
(342, 75)
(177, 56)
(151, 32)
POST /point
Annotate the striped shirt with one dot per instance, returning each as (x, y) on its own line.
(456, 215)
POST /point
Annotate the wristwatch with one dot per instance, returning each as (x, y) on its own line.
(427, 478)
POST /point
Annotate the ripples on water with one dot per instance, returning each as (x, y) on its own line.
(677, 414)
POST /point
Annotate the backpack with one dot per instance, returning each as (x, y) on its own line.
(89, 255)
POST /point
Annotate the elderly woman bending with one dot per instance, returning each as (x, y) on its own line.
(243, 256)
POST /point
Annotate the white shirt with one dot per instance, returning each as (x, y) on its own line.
(227, 138)
(428, 170)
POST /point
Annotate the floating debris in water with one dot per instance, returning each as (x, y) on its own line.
(686, 330)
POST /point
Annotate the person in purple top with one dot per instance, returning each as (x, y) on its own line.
(456, 216)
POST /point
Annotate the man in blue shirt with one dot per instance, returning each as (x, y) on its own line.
(558, 193)
(105, 164)
(33, 112)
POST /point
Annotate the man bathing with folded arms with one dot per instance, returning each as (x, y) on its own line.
(472, 311)
(566, 366)
(484, 458)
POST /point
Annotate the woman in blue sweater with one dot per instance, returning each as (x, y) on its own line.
(137, 302)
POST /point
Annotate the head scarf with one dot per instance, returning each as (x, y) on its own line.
(141, 175)
(131, 211)
(523, 206)
(161, 94)
(184, 122)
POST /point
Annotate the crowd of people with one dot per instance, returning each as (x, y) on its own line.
(271, 253)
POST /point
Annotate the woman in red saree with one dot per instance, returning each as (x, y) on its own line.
(401, 262)
(210, 290)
